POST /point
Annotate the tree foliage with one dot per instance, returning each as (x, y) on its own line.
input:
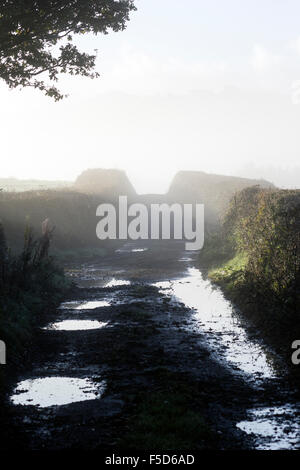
(265, 224)
(36, 38)
(255, 257)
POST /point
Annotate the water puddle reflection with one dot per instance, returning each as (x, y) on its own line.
(75, 325)
(214, 314)
(50, 391)
(272, 428)
(117, 282)
(276, 428)
(127, 248)
(86, 305)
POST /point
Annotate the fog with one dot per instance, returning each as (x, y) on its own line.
(201, 88)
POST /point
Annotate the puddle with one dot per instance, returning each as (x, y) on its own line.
(50, 391)
(74, 325)
(69, 305)
(79, 305)
(93, 304)
(271, 427)
(117, 282)
(214, 314)
(275, 428)
(127, 248)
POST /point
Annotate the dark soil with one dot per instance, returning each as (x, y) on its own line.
(164, 388)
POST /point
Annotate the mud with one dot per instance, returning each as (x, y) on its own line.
(145, 330)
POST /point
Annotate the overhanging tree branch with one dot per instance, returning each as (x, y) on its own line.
(30, 30)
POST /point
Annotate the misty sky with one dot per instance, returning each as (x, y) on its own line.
(198, 85)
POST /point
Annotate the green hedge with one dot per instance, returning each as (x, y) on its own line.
(255, 257)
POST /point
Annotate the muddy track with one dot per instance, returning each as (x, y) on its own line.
(143, 347)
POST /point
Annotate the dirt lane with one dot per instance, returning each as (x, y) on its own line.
(155, 382)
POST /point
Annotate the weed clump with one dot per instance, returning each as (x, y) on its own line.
(29, 282)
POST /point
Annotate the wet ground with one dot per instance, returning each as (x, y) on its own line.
(144, 312)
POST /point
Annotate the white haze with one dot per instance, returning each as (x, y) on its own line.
(188, 86)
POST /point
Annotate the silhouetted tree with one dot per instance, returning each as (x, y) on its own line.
(30, 31)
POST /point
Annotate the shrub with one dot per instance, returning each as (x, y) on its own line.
(29, 282)
(263, 225)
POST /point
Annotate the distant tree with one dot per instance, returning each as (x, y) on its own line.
(31, 30)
